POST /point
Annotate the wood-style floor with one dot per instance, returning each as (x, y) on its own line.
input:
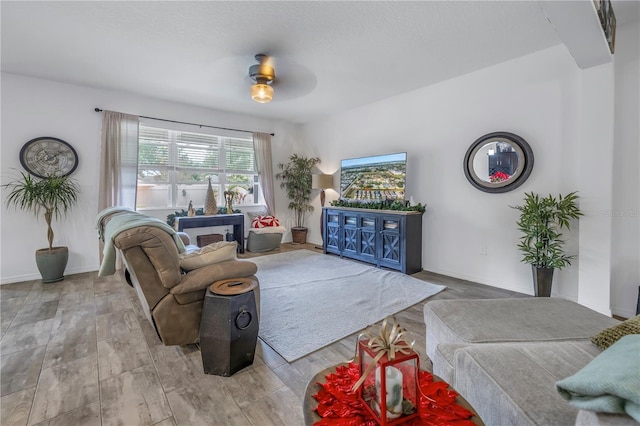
(81, 352)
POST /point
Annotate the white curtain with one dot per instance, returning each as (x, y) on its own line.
(262, 147)
(119, 160)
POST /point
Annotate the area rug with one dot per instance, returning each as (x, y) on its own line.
(309, 300)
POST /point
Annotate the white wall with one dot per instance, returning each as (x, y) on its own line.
(537, 97)
(34, 107)
(625, 211)
(596, 167)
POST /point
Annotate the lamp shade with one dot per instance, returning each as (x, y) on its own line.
(262, 93)
(321, 181)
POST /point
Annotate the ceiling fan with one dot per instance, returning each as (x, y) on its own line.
(292, 81)
(231, 76)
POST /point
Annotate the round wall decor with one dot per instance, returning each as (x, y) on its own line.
(46, 156)
(498, 162)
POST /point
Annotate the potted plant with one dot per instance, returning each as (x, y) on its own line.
(54, 195)
(541, 220)
(296, 179)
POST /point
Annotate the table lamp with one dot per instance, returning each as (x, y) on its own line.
(322, 181)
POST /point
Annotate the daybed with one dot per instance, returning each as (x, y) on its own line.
(505, 356)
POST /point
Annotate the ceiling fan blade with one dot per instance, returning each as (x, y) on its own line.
(293, 81)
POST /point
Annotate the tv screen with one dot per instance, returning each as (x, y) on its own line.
(377, 178)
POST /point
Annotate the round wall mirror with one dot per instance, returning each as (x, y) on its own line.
(498, 162)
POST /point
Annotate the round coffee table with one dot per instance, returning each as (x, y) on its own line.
(310, 403)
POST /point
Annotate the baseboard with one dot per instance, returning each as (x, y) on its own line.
(37, 276)
(500, 285)
(19, 278)
(623, 312)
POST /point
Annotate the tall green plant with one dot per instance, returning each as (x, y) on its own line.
(55, 195)
(541, 219)
(296, 179)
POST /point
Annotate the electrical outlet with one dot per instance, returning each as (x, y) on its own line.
(483, 250)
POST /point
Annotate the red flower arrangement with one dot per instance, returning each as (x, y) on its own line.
(499, 177)
(338, 405)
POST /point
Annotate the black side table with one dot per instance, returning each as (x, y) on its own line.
(229, 326)
(235, 219)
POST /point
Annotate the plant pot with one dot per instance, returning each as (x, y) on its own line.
(542, 280)
(52, 263)
(299, 235)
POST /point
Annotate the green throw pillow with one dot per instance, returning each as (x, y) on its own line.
(609, 336)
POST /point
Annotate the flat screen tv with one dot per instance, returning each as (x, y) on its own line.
(376, 178)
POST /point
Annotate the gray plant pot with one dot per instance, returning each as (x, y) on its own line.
(52, 263)
(542, 280)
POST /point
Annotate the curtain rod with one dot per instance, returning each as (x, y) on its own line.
(192, 124)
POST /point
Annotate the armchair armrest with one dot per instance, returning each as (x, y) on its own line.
(201, 278)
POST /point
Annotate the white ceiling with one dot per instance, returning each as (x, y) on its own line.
(329, 56)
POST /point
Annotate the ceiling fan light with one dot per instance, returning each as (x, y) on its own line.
(261, 93)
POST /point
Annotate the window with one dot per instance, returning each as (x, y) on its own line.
(174, 167)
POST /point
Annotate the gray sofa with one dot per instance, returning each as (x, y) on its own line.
(504, 356)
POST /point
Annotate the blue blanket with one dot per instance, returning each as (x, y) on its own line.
(610, 383)
(121, 220)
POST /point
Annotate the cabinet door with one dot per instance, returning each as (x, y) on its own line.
(511, 159)
(391, 249)
(505, 162)
(367, 245)
(332, 229)
(350, 234)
